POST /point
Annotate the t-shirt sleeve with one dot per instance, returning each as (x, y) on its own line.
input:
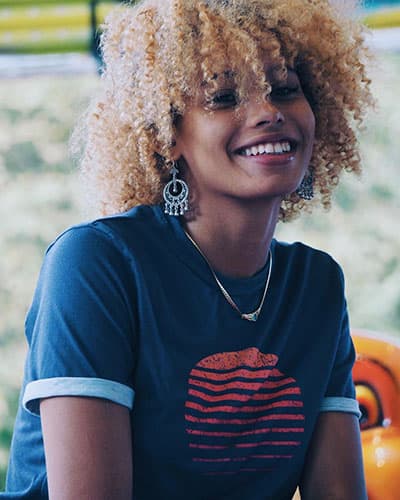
(80, 327)
(340, 393)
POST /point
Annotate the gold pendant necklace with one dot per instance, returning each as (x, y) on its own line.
(252, 316)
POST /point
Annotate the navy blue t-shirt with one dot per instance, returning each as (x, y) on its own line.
(126, 309)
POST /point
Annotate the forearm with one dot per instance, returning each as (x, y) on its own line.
(334, 469)
(88, 449)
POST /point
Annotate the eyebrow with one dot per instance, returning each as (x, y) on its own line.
(226, 74)
(231, 74)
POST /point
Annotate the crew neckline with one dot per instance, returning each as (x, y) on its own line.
(192, 258)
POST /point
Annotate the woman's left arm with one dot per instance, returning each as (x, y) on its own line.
(334, 466)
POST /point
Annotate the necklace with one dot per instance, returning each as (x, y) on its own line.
(252, 316)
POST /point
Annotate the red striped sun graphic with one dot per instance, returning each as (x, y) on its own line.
(242, 413)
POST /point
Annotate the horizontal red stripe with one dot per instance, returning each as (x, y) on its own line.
(244, 397)
(208, 446)
(244, 445)
(261, 373)
(216, 460)
(239, 421)
(244, 433)
(287, 429)
(271, 456)
(242, 409)
(268, 443)
(254, 386)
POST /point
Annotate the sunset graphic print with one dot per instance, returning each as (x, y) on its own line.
(242, 413)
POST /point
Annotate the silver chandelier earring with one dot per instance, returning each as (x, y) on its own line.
(176, 194)
(306, 188)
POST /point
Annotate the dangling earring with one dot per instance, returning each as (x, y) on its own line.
(306, 188)
(176, 194)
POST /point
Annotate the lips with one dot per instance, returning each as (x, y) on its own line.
(268, 146)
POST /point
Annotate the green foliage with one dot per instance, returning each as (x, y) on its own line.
(6, 427)
(39, 199)
(362, 228)
(21, 157)
(345, 198)
(379, 192)
(11, 115)
(2, 479)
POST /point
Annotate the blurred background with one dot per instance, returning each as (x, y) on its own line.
(48, 70)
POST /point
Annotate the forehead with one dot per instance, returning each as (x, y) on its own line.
(273, 67)
(272, 73)
(237, 55)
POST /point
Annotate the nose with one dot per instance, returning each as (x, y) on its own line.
(263, 112)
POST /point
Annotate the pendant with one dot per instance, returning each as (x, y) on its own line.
(176, 194)
(250, 316)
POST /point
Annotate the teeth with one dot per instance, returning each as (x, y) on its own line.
(268, 148)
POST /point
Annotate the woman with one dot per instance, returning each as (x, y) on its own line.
(177, 350)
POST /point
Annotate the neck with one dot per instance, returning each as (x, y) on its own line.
(235, 237)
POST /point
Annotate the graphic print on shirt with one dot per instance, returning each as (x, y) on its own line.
(242, 414)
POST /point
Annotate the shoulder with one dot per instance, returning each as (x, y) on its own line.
(307, 263)
(298, 252)
(112, 235)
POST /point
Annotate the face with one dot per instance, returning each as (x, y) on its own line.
(257, 149)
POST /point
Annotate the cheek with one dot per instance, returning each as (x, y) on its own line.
(210, 137)
(197, 132)
(308, 122)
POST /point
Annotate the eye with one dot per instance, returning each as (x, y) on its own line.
(369, 406)
(224, 99)
(286, 91)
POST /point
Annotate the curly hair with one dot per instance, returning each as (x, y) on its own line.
(156, 55)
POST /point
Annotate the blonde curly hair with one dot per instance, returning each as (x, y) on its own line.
(157, 53)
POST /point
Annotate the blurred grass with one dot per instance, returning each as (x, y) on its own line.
(362, 229)
(40, 196)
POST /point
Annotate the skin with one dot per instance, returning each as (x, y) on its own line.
(237, 199)
(334, 466)
(88, 449)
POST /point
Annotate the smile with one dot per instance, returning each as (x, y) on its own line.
(268, 148)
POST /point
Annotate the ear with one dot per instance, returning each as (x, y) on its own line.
(168, 154)
(176, 150)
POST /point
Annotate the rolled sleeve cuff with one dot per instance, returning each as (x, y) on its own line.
(346, 405)
(76, 386)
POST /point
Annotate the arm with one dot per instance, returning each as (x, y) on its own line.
(88, 448)
(334, 468)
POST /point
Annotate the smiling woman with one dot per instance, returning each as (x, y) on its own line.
(172, 348)
(217, 46)
(262, 143)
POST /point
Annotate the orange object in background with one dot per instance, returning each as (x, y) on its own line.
(376, 375)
